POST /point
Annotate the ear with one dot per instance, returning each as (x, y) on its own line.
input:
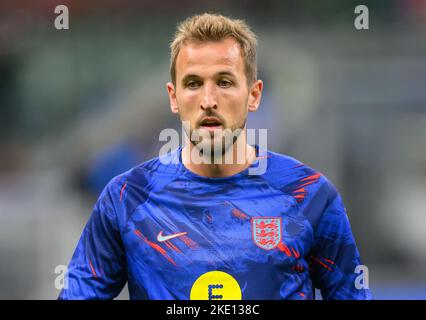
(255, 95)
(172, 97)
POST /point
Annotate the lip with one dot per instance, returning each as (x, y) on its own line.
(207, 120)
(217, 124)
(211, 128)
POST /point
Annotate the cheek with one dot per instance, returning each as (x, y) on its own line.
(235, 105)
(188, 103)
(188, 111)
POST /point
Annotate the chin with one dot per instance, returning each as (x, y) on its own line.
(216, 147)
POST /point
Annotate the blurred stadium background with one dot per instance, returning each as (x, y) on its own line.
(79, 106)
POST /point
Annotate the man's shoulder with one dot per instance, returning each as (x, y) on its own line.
(286, 165)
(283, 161)
(310, 188)
(149, 174)
(289, 171)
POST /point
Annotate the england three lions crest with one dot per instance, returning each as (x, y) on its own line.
(266, 232)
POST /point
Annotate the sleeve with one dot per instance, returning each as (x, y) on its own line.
(98, 266)
(335, 263)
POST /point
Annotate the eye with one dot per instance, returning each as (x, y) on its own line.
(192, 84)
(224, 83)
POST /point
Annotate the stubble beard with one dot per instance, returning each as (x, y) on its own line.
(219, 142)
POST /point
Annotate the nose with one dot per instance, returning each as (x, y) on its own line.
(209, 100)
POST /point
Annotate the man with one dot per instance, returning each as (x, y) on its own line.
(200, 227)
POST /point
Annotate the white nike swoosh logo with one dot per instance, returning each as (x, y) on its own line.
(161, 238)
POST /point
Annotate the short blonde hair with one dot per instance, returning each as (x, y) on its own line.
(214, 27)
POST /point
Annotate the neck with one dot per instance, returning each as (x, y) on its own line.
(220, 168)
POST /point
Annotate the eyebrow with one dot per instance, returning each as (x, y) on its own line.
(190, 76)
(226, 73)
(194, 76)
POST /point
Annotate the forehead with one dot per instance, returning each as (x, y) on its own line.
(196, 57)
